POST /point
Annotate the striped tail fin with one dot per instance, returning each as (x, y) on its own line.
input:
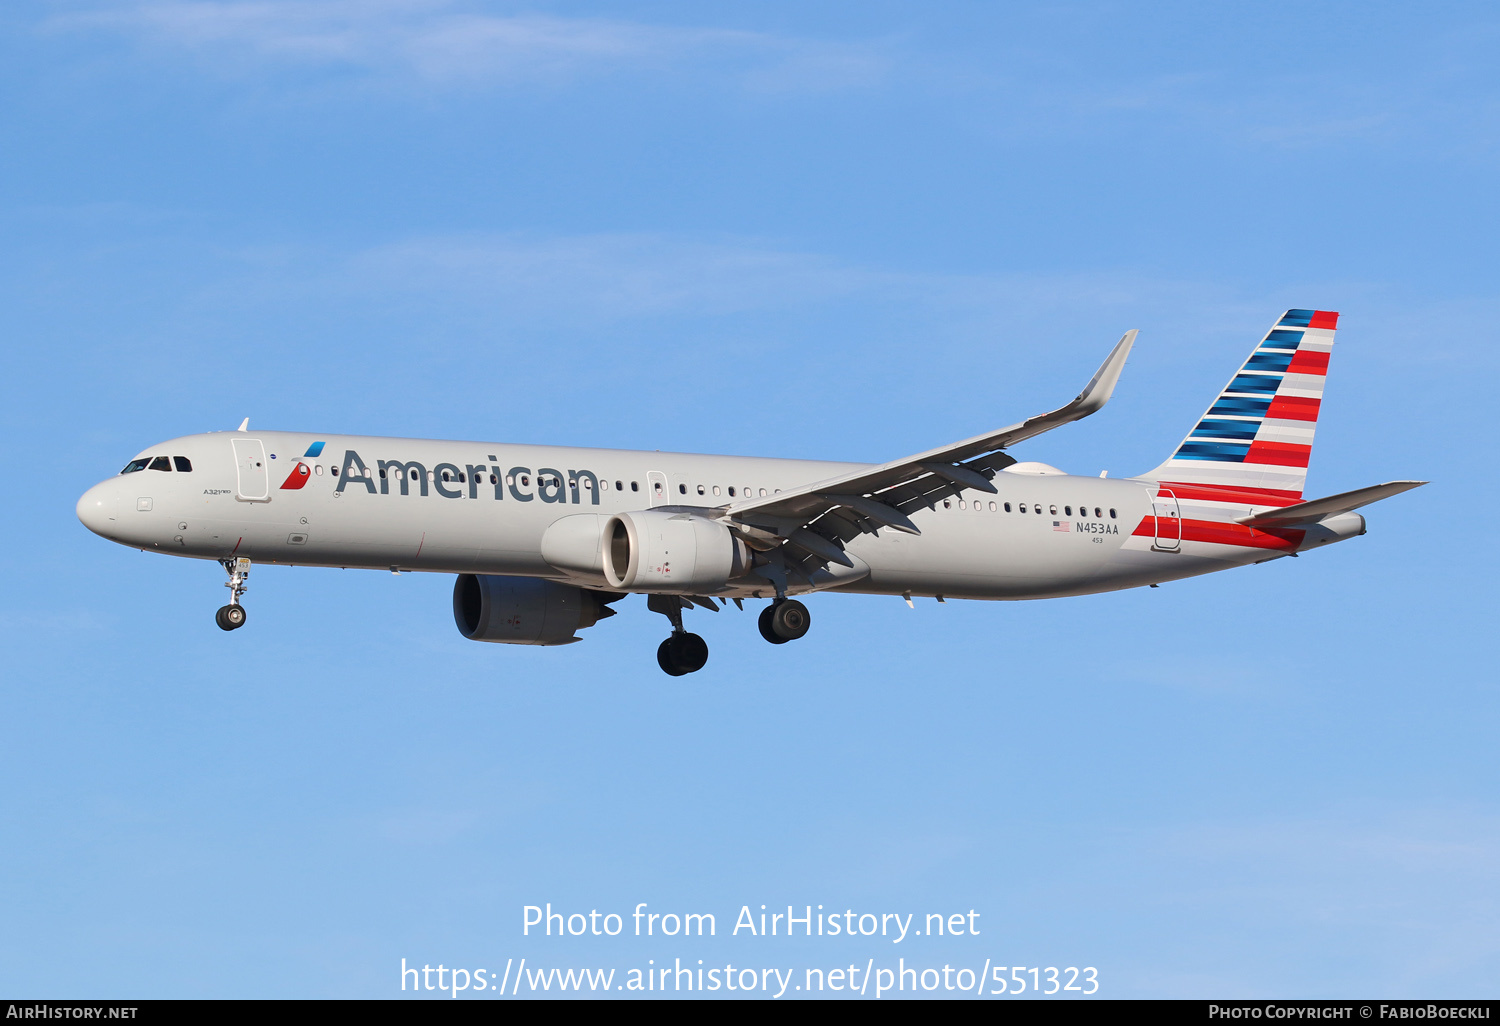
(1253, 444)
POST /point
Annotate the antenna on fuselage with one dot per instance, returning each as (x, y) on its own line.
(244, 425)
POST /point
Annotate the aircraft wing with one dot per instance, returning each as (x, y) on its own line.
(811, 524)
(1317, 509)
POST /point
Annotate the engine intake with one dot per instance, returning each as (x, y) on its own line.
(524, 610)
(656, 550)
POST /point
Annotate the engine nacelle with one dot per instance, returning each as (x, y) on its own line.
(655, 550)
(575, 545)
(523, 610)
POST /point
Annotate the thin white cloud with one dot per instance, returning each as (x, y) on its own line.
(443, 42)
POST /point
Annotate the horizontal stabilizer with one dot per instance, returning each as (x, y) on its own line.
(1317, 509)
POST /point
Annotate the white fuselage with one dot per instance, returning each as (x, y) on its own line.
(482, 508)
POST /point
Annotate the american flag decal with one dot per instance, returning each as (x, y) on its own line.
(1061, 525)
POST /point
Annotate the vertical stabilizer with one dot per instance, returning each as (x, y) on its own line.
(1254, 442)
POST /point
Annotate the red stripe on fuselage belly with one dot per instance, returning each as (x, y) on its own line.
(1218, 533)
(1230, 493)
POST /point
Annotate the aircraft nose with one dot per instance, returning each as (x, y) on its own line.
(97, 509)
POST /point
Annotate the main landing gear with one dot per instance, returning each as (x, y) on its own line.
(682, 652)
(232, 616)
(784, 620)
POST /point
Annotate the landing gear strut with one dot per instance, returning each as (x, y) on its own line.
(682, 652)
(232, 616)
(784, 620)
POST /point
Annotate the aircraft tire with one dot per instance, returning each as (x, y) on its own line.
(790, 620)
(665, 661)
(766, 631)
(230, 618)
(682, 653)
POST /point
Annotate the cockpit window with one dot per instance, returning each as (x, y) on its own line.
(134, 465)
(161, 463)
(184, 465)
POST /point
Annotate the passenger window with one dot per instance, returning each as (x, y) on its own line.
(947, 504)
(620, 486)
(1037, 508)
(716, 489)
(700, 489)
(335, 471)
(318, 469)
(992, 507)
(1007, 507)
(1067, 511)
(1112, 514)
(494, 478)
(731, 491)
(1023, 507)
(1099, 512)
(161, 463)
(635, 486)
(762, 493)
(134, 465)
(183, 464)
(1052, 510)
(961, 504)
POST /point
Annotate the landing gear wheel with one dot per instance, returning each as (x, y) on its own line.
(230, 617)
(790, 620)
(766, 630)
(682, 653)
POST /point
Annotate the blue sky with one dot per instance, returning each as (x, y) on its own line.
(853, 232)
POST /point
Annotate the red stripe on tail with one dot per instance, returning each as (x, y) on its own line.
(1308, 361)
(1278, 454)
(1292, 407)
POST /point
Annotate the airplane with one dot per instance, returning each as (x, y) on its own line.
(544, 539)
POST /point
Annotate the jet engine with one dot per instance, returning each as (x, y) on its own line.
(682, 553)
(524, 610)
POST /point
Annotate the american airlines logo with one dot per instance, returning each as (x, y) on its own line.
(457, 481)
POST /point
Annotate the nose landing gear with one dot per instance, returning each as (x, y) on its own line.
(232, 616)
(784, 620)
